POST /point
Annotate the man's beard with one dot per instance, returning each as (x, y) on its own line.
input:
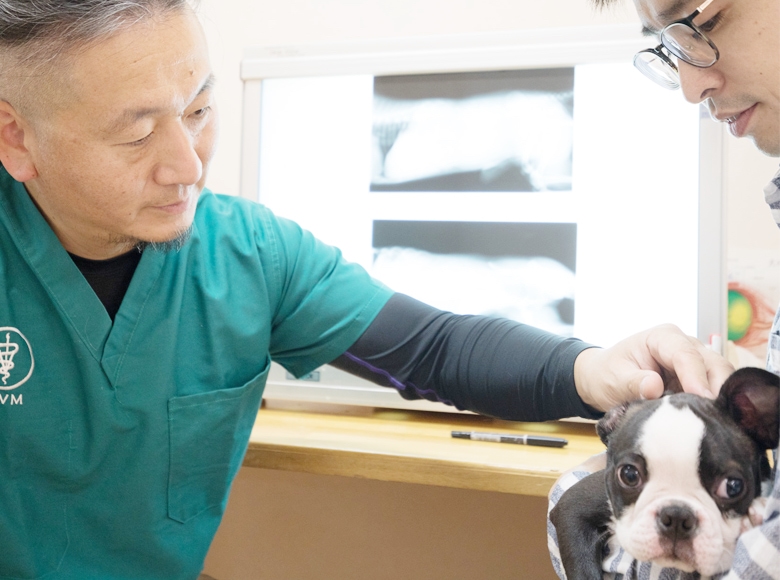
(172, 245)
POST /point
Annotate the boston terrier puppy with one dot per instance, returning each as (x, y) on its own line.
(683, 473)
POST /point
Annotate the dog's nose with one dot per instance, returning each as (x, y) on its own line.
(677, 522)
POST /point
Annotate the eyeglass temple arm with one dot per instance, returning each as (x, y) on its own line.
(701, 8)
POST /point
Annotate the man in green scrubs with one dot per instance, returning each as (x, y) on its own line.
(140, 312)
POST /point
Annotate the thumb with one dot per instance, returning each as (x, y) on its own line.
(650, 385)
(630, 386)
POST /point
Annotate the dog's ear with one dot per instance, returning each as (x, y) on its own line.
(751, 396)
(610, 421)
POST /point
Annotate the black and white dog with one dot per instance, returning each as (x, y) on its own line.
(683, 473)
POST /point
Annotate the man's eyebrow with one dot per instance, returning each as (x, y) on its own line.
(666, 15)
(130, 116)
(207, 85)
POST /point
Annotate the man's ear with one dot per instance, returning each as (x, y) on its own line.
(14, 154)
(751, 396)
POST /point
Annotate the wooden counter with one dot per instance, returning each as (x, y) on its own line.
(417, 447)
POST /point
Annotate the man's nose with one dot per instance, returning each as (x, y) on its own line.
(698, 84)
(179, 162)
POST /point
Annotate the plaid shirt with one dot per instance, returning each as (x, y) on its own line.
(757, 555)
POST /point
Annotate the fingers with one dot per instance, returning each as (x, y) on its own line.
(756, 511)
(719, 369)
(595, 463)
(647, 364)
(674, 352)
(698, 369)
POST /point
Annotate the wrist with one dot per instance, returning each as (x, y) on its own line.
(582, 367)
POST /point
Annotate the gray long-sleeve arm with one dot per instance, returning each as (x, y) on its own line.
(491, 366)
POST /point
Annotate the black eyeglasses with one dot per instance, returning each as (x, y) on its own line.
(681, 39)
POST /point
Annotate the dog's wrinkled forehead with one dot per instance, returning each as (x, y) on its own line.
(745, 414)
(679, 425)
(660, 429)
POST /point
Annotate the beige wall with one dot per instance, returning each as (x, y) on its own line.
(753, 242)
(296, 526)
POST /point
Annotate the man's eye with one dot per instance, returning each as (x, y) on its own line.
(201, 112)
(140, 142)
(710, 25)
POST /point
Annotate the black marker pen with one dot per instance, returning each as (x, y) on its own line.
(539, 440)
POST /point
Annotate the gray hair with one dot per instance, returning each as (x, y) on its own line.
(36, 34)
(70, 22)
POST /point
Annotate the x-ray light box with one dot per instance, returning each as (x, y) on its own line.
(532, 175)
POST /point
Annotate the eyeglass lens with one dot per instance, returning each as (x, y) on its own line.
(656, 69)
(687, 44)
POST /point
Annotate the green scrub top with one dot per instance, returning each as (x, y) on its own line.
(119, 442)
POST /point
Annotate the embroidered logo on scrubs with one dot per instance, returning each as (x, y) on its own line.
(16, 359)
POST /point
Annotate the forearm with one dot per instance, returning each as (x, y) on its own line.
(492, 366)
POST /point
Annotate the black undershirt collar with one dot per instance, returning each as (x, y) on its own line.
(110, 278)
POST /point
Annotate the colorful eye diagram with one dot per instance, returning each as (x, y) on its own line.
(740, 315)
(749, 316)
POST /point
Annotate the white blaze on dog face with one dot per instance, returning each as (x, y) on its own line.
(670, 443)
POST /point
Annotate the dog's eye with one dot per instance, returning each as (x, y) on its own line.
(730, 487)
(629, 476)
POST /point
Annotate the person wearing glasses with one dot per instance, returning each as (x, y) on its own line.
(725, 54)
